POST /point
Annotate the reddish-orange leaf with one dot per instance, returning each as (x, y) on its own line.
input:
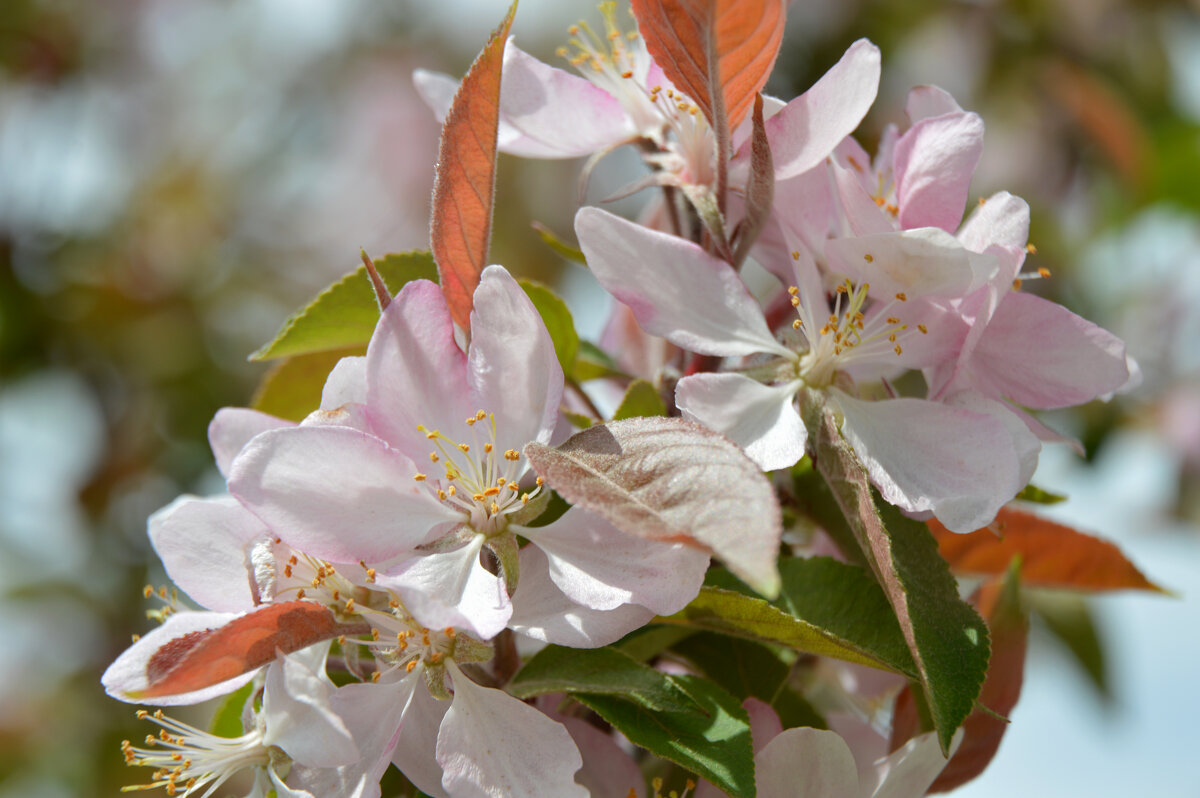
(464, 188)
(997, 601)
(1052, 555)
(201, 659)
(719, 52)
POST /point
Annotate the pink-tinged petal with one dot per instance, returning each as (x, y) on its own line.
(233, 427)
(802, 218)
(674, 288)
(808, 128)
(557, 114)
(354, 416)
(126, 676)
(375, 714)
(601, 567)
(481, 757)
(282, 790)
(861, 214)
(806, 763)
(513, 371)
(203, 544)
(298, 714)
(921, 262)
(1025, 443)
(415, 752)
(925, 456)
(346, 384)
(452, 589)
(762, 419)
(438, 90)
(541, 611)
(416, 372)
(910, 769)
(608, 772)
(1003, 220)
(925, 102)
(337, 493)
(934, 162)
(1041, 355)
(764, 723)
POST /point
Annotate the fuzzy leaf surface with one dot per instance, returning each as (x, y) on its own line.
(599, 671)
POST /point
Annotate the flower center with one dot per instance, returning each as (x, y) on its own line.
(187, 759)
(478, 479)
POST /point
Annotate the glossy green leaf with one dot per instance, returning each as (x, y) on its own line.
(557, 318)
(640, 399)
(947, 639)
(713, 741)
(599, 671)
(650, 641)
(345, 313)
(292, 388)
(743, 667)
(227, 722)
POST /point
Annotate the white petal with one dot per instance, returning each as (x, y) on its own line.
(346, 384)
(608, 772)
(910, 769)
(602, 567)
(126, 676)
(482, 757)
(807, 129)
(233, 427)
(415, 753)
(927, 456)
(674, 288)
(452, 589)
(934, 162)
(762, 419)
(336, 493)
(299, 718)
(542, 611)
(929, 101)
(202, 544)
(806, 763)
(513, 370)
(926, 261)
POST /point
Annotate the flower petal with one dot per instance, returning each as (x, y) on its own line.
(925, 102)
(203, 546)
(542, 611)
(126, 676)
(336, 493)
(452, 589)
(910, 769)
(416, 372)
(926, 456)
(933, 165)
(346, 384)
(808, 128)
(233, 427)
(299, 717)
(607, 770)
(481, 756)
(921, 262)
(514, 372)
(806, 763)
(674, 287)
(762, 419)
(415, 753)
(601, 567)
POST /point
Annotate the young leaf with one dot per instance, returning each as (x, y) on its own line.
(599, 671)
(206, 658)
(718, 52)
(713, 741)
(550, 239)
(292, 388)
(999, 602)
(464, 187)
(670, 479)
(947, 638)
(641, 400)
(559, 323)
(345, 313)
(1033, 494)
(1052, 555)
(826, 608)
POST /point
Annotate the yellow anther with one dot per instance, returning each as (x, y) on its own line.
(853, 163)
(903, 297)
(487, 448)
(573, 30)
(841, 289)
(300, 593)
(540, 482)
(148, 591)
(795, 300)
(879, 201)
(795, 254)
(419, 477)
(982, 200)
(514, 487)
(793, 290)
(898, 349)
(436, 657)
(893, 320)
(1043, 272)
(495, 508)
(1031, 249)
(478, 497)
(433, 457)
(350, 605)
(452, 490)
(501, 481)
(1017, 284)
(922, 328)
(449, 632)
(141, 714)
(480, 415)
(464, 448)
(337, 594)
(892, 338)
(431, 435)
(410, 667)
(869, 258)
(892, 209)
(796, 324)
(441, 494)
(512, 454)
(628, 73)
(492, 491)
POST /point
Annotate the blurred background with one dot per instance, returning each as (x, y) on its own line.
(176, 177)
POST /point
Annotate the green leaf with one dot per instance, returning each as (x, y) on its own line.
(713, 742)
(599, 671)
(292, 388)
(227, 722)
(345, 313)
(592, 363)
(737, 614)
(557, 318)
(558, 245)
(742, 667)
(794, 710)
(1032, 493)
(641, 399)
(1069, 618)
(650, 641)
(945, 635)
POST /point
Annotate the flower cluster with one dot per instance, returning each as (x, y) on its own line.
(364, 583)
